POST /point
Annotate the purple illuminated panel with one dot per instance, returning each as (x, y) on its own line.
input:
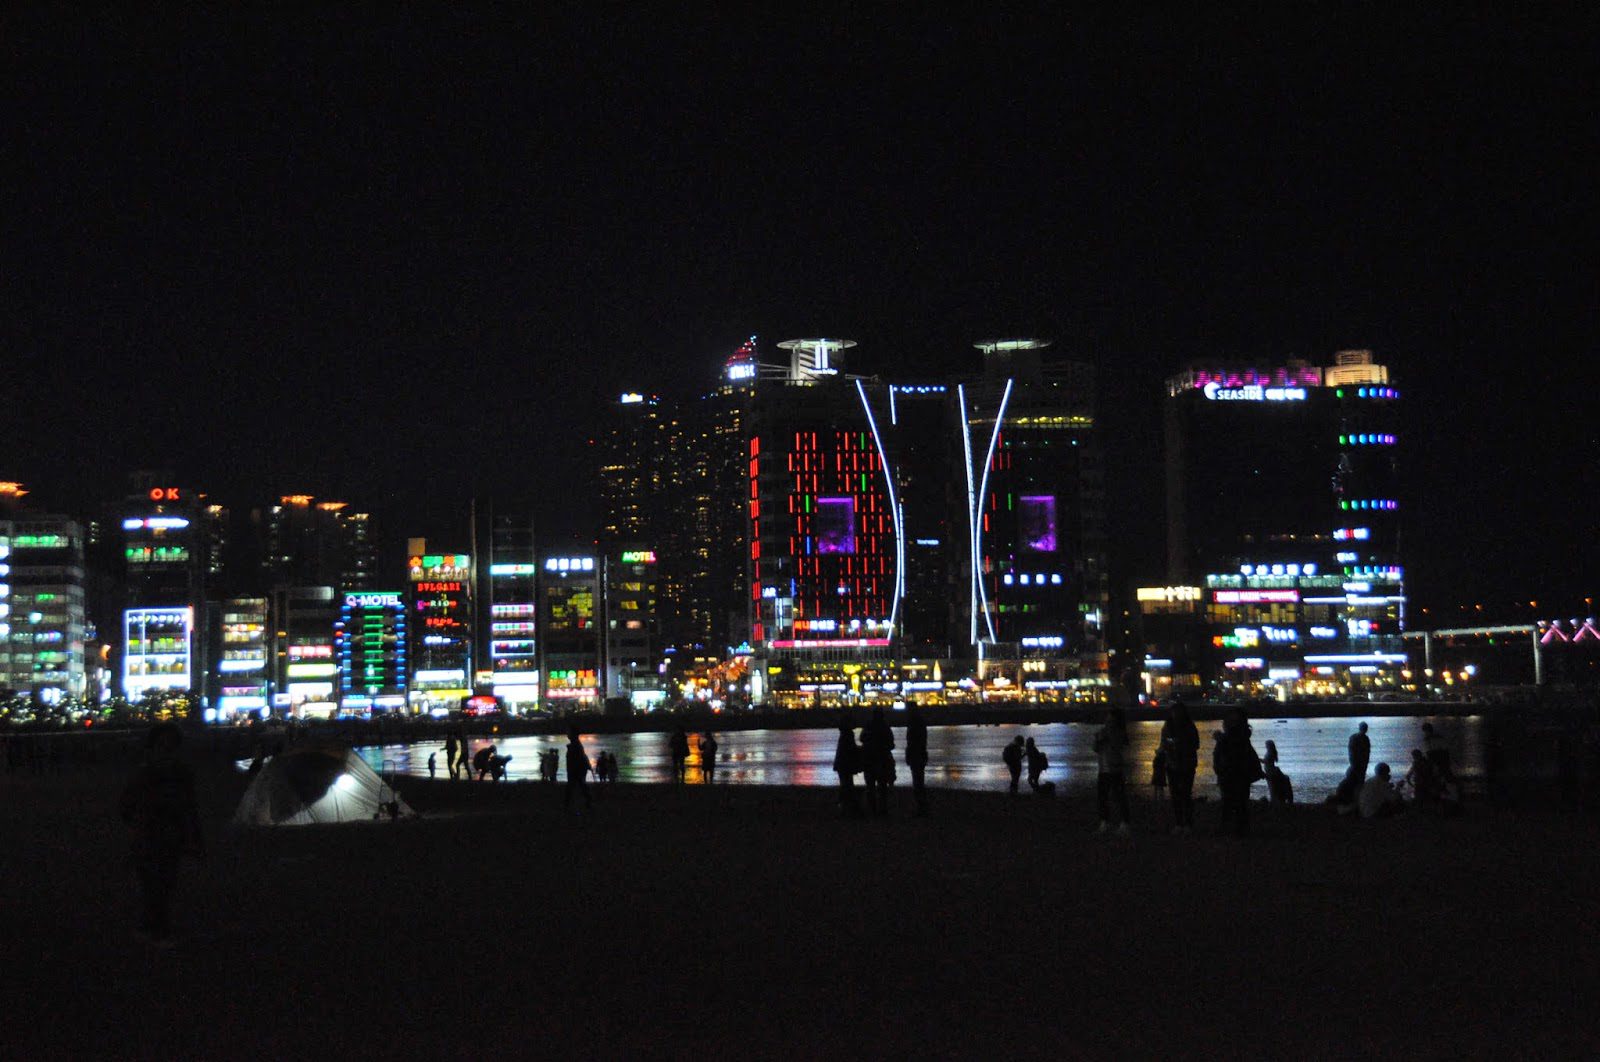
(1036, 523)
(834, 525)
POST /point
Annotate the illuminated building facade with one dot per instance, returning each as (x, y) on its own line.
(1284, 509)
(370, 647)
(570, 643)
(824, 542)
(242, 683)
(633, 661)
(441, 615)
(306, 542)
(41, 606)
(923, 439)
(513, 612)
(172, 539)
(305, 669)
(705, 565)
(1037, 597)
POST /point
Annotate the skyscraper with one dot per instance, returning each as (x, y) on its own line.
(1283, 509)
(1037, 514)
(41, 602)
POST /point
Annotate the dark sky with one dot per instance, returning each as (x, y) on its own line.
(401, 261)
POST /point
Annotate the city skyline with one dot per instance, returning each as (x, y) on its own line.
(248, 249)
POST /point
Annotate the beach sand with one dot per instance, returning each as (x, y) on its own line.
(753, 922)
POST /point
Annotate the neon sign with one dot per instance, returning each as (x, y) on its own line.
(513, 569)
(1168, 593)
(638, 556)
(569, 564)
(631, 398)
(165, 494)
(1253, 393)
(1254, 597)
(742, 371)
(155, 523)
(373, 600)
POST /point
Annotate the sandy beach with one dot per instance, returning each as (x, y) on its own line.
(755, 922)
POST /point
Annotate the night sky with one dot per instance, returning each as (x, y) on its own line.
(402, 262)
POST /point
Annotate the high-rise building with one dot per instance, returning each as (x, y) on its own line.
(171, 538)
(242, 683)
(1036, 512)
(512, 603)
(305, 667)
(635, 478)
(441, 626)
(1284, 510)
(570, 644)
(705, 564)
(41, 602)
(306, 542)
(633, 664)
(370, 646)
(822, 512)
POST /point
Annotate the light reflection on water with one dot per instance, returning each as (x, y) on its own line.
(1311, 751)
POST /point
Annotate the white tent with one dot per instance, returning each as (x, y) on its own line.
(316, 785)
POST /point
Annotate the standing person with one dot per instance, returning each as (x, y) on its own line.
(877, 757)
(450, 754)
(433, 765)
(1360, 754)
(708, 756)
(678, 745)
(1181, 743)
(163, 817)
(1238, 768)
(578, 769)
(1111, 749)
(917, 756)
(1438, 752)
(464, 753)
(1037, 762)
(846, 764)
(1013, 759)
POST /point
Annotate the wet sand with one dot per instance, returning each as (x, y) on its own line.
(754, 922)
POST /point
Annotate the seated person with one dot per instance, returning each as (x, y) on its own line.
(1422, 779)
(497, 767)
(1379, 798)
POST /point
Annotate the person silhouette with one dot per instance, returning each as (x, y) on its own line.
(1180, 740)
(159, 807)
(877, 758)
(433, 765)
(1013, 760)
(1037, 762)
(1438, 752)
(708, 757)
(1238, 767)
(578, 768)
(1279, 788)
(450, 755)
(483, 761)
(678, 745)
(1111, 749)
(917, 756)
(847, 764)
(1360, 753)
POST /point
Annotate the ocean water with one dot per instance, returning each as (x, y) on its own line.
(1312, 752)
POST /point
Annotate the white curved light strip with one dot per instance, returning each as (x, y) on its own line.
(894, 509)
(972, 527)
(983, 488)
